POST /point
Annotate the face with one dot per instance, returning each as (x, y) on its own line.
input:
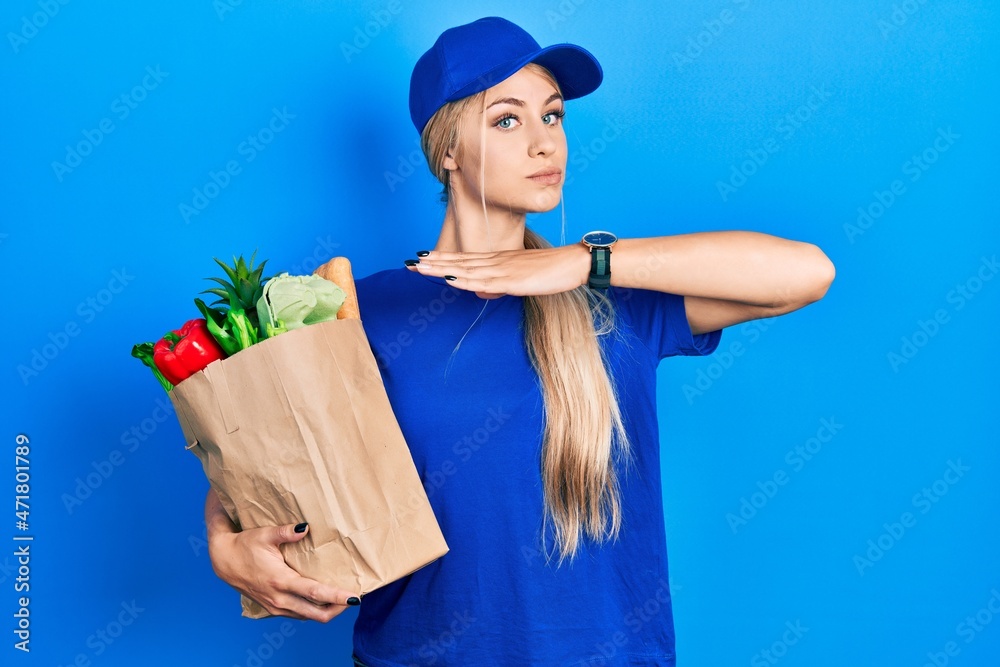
(525, 146)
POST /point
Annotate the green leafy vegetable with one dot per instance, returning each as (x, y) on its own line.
(291, 302)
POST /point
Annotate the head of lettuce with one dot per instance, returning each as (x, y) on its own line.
(291, 302)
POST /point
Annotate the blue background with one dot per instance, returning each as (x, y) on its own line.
(691, 95)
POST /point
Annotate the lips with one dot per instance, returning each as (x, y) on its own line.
(548, 176)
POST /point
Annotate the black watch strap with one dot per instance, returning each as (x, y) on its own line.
(600, 268)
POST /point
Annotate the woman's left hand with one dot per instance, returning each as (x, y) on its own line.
(515, 272)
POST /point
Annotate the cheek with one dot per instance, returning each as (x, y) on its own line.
(468, 148)
(502, 164)
(497, 159)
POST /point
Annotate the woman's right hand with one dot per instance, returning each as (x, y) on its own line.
(251, 562)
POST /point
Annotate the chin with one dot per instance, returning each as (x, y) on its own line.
(544, 201)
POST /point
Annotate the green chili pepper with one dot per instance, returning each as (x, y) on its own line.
(144, 353)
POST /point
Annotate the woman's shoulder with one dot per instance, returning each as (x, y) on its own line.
(399, 282)
(392, 290)
(378, 278)
(387, 281)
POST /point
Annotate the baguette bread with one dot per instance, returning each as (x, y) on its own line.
(338, 271)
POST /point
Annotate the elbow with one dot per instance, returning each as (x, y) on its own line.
(821, 272)
(813, 277)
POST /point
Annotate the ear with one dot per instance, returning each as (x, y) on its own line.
(449, 162)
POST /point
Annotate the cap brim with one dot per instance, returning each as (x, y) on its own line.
(575, 68)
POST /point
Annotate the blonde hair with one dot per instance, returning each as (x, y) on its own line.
(582, 419)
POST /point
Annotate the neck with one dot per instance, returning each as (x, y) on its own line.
(465, 228)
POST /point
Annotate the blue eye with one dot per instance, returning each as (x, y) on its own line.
(557, 114)
(503, 121)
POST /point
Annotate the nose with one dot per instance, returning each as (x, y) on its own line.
(543, 140)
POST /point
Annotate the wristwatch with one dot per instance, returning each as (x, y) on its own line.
(599, 243)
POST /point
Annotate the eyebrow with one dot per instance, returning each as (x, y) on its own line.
(520, 103)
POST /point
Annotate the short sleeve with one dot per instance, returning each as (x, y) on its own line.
(659, 319)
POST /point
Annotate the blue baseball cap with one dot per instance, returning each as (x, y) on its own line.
(473, 57)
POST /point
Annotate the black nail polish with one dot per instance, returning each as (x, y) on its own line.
(411, 262)
(353, 601)
(450, 278)
(301, 528)
(423, 253)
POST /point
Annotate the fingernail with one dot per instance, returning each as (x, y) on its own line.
(301, 528)
(411, 262)
(450, 278)
(423, 253)
(353, 601)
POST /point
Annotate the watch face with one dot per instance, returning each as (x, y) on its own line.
(600, 238)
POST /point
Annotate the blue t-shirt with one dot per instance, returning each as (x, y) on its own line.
(473, 423)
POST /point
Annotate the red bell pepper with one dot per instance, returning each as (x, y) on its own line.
(185, 351)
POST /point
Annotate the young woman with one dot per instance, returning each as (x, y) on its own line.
(523, 378)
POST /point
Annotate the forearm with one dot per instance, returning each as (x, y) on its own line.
(748, 267)
(216, 520)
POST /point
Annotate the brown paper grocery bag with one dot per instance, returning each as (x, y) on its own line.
(299, 428)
